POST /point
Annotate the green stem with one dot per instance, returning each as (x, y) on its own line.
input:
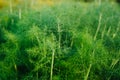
(86, 77)
(103, 32)
(98, 28)
(51, 74)
(19, 13)
(11, 10)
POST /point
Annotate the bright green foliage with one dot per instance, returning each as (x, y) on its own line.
(59, 40)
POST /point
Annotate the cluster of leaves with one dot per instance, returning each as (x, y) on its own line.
(69, 31)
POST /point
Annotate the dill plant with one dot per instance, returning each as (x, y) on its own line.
(62, 42)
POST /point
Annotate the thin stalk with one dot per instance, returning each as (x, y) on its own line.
(11, 10)
(38, 40)
(52, 63)
(44, 41)
(99, 2)
(53, 56)
(103, 32)
(114, 62)
(37, 75)
(71, 44)
(108, 32)
(12, 21)
(59, 34)
(45, 48)
(115, 32)
(98, 28)
(88, 72)
(20, 13)
(25, 4)
(15, 66)
(59, 40)
(32, 3)
(93, 53)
